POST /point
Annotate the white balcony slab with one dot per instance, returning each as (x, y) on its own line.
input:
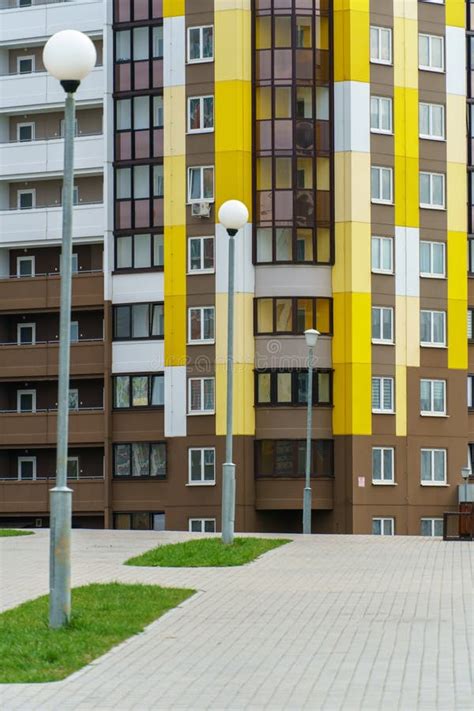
(45, 224)
(136, 288)
(43, 20)
(28, 91)
(288, 280)
(138, 356)
(31, 158)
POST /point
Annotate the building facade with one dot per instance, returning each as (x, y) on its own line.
(342, 126)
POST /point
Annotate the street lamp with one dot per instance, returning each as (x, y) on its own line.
(68, 56)
(232, 215)
(311, 336)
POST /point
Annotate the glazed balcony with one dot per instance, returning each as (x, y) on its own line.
(26, 429)
(45, 17)
(33, 496)
(43, 291)
(44, 224)
(40, 360)
(287, 493)
(27, 158)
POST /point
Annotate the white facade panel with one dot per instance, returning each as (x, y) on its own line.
(136, 288)
(407, 261)
(41, 21)
(175, 401)
(23, 227)
(352, 116)
(290, 352)
(40, 157)
(455, 61)
(138, 356)
(28, 91)
(244, 269)
(174, 48)
(287, 280)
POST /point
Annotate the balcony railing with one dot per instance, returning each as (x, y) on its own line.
(47, 274)
(33, 71)
(52, 477)
(54, 341)
(458, 526)
(15, 4)
(45, 223)
(40, 410)
(39, 139)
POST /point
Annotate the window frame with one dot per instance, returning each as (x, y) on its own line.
(431, 136)
(201, 270)
(432, 481)
(138, 477)
(428, 67)
(33, 461)
(150, 337)
(201, 98)
(315, 470)
(432, 412)
(30, 124)
(19, 193)
(131, 406)
(470, 324)
(380, 340)
(382, 239)
(294, 372)
(382, 411)
(431, 205)
(200, 59)
(384, 481)
(202, 481)
(433, 275)
(153, 268)
(378, 130)
(21, 59)
(71, 460)
(470, 391)
(203, 522)
(380, 29)
(383, 520)
(201, 411)
(201, 168)
(432, 343)
(379, 200)
(432, 519)
(19, 327)
(201, 341)
(31, 259)
(294, 301)
(27, 391)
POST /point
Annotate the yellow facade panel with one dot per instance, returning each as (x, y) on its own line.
(456, 13)
(173, 8)
(174, 138)
(232, 40)
(352, 187)
(351, 41)
(456, 180)
(400, 400)
(456, 148)
(351, 271)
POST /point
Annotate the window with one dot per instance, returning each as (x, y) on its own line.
(25, 132)
(382, 255)
(26, 199)
(433, 467)
(381, 45)
(200, 114)
(25, 266)
(470, 324)
(201, 183)
(26, 400)
(74, 399)
(432, 190)
(138, 321)
(200, 254)
(26, 468)
(289, 387)
(74, 331)
(470, 391)
(293, 245)
(383, 465)
(382, 395)
(470, 255)
(432, 260)
(25, 3)
(201, 324)
(381, 185)
(201, 396)
(431, 527)
(382, 324)
(432, 397)
(293, 315)
(381, 114)
(141, 251)
(202, 465)
(140, 459)
(25, 65)
(201, 44)
(432, 121)
(26, 333)
(139, 521)
(433, 328)
(158, 42)
(383, 526)
(202, 525)
(75, 195)
(139, 391)
(73, 467)
(158, 115)
(431, 53)
(62, 126)
(286, 458)
(139, 182)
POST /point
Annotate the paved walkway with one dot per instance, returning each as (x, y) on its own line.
(326, 622)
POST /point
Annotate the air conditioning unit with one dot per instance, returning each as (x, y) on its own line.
(201, 209)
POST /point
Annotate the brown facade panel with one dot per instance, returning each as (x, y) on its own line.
(32, 497)
(41, 360)
(43, 292)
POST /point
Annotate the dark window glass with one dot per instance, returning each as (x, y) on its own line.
(140, 459)
(138, 321)
(287, 458)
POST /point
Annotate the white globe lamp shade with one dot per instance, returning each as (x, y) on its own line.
(311, 336)
(465, 472)
(69, 55)
(233, 214)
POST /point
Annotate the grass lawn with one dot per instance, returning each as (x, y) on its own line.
(102, 616)
(5, 532)
(207, 553)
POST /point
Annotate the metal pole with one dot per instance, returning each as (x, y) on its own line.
(228, 468)
(309, 422)
(61, 495)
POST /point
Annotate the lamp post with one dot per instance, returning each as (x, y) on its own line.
(68, 56)
(311, 336)
(233, 215)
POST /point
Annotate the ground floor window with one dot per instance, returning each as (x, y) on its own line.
(383, 526)
(431, 527)
(202, 525)
(140, 521)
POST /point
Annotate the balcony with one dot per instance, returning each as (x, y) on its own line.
(279, 493)
(30, 91)
(45, 17)
(33, 496)
(44, 224)
(43, 291)
(27, 429)
(22, 159)
(41, 359)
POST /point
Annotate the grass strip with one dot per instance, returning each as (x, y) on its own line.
(6, 532)
(103, 615)
(207, 553)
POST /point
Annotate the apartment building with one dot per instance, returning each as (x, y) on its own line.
(342, 127)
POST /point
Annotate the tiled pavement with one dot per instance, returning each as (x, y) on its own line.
(326, 622)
